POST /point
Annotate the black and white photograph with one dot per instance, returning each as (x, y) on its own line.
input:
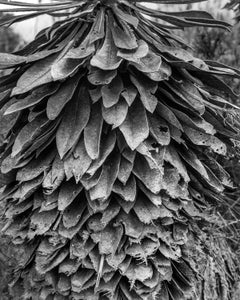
(119, 149)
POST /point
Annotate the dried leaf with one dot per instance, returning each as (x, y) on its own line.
(68, 192)
(173, 158)
(54, 177)
(204, 139)
(103, 188)
(41, 222)
(146, 211)
(151, 178)
(108, 239)
(127, 191)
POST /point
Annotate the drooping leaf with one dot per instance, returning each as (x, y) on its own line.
(59, 99)
(159, 130)
(129, 94)
(38, 74)
(116, 114)
(106, 57)
(101, 77)
(76, 117)
(151, 178)
(34, 98)
(111, 92)
(54, 177)
(204, 139)
(146, 89)
(68, 192)
(103, 188)
(27, 134)
(135, 127)
(106, 147)
(92, 132)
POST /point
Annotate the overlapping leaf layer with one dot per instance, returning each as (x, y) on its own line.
(108, 133)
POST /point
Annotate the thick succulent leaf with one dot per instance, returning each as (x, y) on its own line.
(106, 147)
(103, 188)
(146, 89)
(98, 28)
(59, 99)
(35, 167)
(101, 77)
(122, 34)
(116, 114)
(34, 98)
(204, 139)
(26, 189)
(27, 134)
(68, 192)
(7, 122)
(128, 191)
(73, 213)
(151, 178)
(92, 132)
(135, 127)
(75, 119)
(135, 55)
(159, 130)
(129, 94)
(77, 163)
(111, 92)
(8, 60)
(106, 57)
(125, 170)
(38, 74)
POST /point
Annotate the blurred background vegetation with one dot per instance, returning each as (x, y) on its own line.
(206, 43)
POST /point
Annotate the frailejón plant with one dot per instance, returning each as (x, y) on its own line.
(109, 132)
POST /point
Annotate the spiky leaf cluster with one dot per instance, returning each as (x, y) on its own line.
(109, 131)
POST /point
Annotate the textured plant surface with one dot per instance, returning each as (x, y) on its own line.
(110, 134)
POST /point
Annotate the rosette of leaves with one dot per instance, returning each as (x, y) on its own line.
(109, 131)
